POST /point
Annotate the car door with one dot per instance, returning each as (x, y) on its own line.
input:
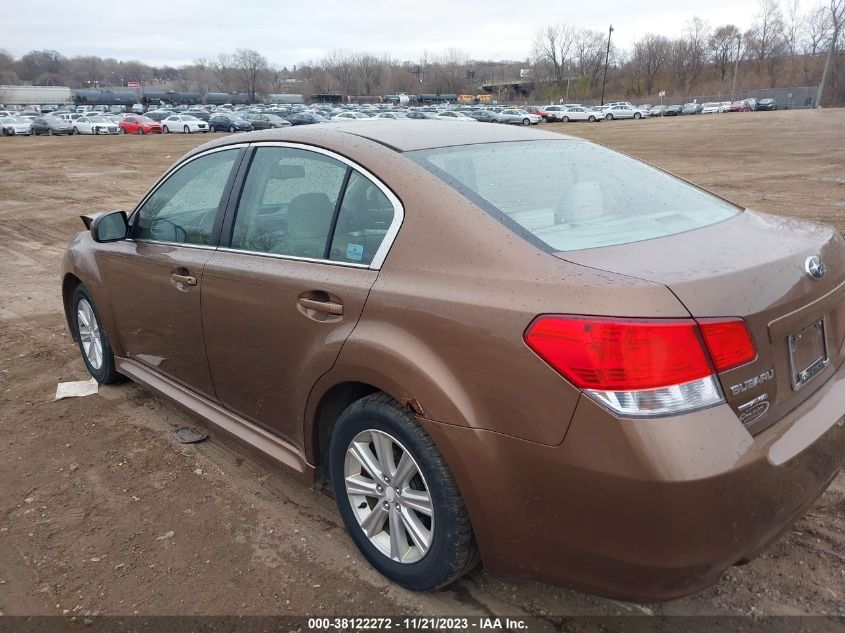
(155, 277)
(278, 301)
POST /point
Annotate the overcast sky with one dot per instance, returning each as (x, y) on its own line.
(166, 32)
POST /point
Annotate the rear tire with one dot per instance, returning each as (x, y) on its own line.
(448, 548)
(93, 343)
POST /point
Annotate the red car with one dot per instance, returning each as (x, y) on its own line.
(739, 106)
(537, 111)
(140, 125)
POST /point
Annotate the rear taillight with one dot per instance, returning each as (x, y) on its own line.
(729, 342)
(642, 367)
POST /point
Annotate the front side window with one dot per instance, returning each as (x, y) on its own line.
(184, 208)
(573, 195)
(288, 202)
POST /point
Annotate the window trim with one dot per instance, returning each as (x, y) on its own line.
(221, 208)
(386, 243)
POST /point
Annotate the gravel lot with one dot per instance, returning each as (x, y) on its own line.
(101, 512)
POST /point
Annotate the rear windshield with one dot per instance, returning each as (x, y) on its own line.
(572, 195)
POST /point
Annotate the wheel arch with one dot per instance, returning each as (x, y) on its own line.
(70, 282)
(407, 370)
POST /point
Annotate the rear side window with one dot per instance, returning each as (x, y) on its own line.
(572, 195)
(294, 203)
(184, 208)
(288, 202)
(362, 222)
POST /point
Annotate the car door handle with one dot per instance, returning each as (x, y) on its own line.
(329, 307)
(188, 280)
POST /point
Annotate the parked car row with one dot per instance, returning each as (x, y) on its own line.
(203, 119)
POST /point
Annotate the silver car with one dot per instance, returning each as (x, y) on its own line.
(13, 126)
(516, 116)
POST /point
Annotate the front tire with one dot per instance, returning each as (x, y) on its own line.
(165, 130)
(93, 343)
(186, 130)
(397, 497)
(591, 119)
(232, 129)
(637, 115)
(526, 121)
(609, 117)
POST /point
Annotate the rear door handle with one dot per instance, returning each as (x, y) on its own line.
(329, 307)
(188, 280)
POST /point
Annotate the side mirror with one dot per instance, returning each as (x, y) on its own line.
(110, 227)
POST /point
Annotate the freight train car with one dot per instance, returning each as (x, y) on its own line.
(34, 95)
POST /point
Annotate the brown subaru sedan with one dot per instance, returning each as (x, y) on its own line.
(486, 342)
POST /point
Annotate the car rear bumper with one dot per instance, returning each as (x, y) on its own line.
(644, 509)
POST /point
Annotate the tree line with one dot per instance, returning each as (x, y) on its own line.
(782, 47)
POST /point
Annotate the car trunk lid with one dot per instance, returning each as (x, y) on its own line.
(753, 266)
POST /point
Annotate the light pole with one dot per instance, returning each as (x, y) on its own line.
(736, 66)
(606, 58)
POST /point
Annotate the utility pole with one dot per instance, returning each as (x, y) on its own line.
(568, 76)
(736, 66)
(606, 58)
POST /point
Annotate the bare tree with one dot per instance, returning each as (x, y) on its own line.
(766, 40)
(722, 47)
(251, 66)
(340, 65)
(225, 73)
(553, 45)
(651, 54)
(589, 51)
(371, 72)
(836, 15)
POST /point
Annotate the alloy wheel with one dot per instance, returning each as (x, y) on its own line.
(89, 333)
(389, 496)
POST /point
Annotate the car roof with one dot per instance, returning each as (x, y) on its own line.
(402, 136)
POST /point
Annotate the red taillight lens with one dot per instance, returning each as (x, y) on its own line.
(620, 354)
(729, 342)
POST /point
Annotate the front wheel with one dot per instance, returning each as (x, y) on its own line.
(526, 121)
(93, 342)
(637, 115)
(397, 497)
(232, 129)
(566, 119)
(75, 131)
(165, 130)
(186, 130)
(591, 119)
(609, 117)
(49, 132)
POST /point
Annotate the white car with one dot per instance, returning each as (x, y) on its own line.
(711, 107)
(13, 126)
(624, 112)
(94, 125)
(579, 113)
(391, 115)
(555, 112)
(451, 115)
(350, 116)
(183, 124)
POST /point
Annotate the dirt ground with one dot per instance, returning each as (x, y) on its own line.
(101, 512)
